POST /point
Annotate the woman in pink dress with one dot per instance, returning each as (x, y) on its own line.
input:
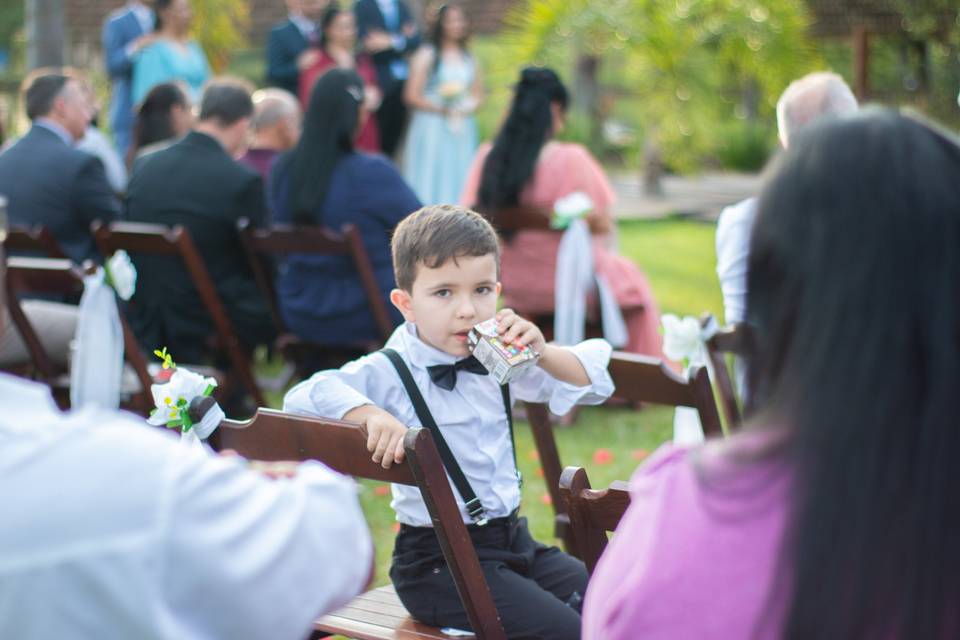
(525, 166)
(836, 512)
(338, 44)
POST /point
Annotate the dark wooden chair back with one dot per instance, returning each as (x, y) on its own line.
(62, 277)
(276, 436)
(159, 240)
(519, 218)
(37, 240)
(732, 339)
(637, 379)
(281, 240)
(592, 512)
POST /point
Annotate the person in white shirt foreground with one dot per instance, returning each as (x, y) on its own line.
(446, 262)
(805, 101)
(112, 529)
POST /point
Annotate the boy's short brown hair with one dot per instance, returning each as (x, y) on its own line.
(438, 233)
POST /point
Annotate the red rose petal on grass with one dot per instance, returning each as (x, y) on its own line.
(639, 454)
(546, 499)
(603, 456)
(396, 527)
(381, 490)
(539, 472)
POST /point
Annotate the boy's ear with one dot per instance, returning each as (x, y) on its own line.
(401, 300)
(499, 288)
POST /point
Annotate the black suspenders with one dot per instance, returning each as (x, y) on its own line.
(474, 508)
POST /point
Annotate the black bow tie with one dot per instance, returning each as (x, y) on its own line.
(445, 375)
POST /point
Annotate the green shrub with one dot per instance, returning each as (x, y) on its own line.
(742, 145)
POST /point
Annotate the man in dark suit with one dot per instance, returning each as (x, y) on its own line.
(126, 31)
(389, 33)
(49, 182)
(291, 44)
(198, 184)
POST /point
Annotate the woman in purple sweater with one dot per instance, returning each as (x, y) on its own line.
(836, 514)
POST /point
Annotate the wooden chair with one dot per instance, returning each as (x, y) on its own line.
(732, 339)
(592, 512)
(637, 379)
(38, 240)
(159, 240)
(261, 245)
(62, 277)
(275, 436)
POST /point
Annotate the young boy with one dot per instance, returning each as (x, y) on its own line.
(446, 261)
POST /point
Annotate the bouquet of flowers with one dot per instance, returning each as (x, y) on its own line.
(456, 103)
(172, 399)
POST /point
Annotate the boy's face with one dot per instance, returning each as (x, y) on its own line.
(447, 301)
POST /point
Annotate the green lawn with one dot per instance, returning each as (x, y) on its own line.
(678, 257)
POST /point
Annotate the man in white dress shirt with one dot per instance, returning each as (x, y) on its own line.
(111, 529)
(446, 261)
(806, 100)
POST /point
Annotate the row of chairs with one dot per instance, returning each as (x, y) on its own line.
(582, 516)
(261, 245)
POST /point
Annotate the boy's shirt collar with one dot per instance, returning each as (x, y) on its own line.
(418, 353)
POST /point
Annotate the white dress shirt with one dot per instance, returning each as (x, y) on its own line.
(95, 143)
(733, 249)
(111, 529)
(471, 416)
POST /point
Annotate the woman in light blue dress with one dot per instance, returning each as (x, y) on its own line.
(173, 57)
(444, 90)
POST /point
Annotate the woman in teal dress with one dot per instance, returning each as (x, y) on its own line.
(173, 57)
(444, 90)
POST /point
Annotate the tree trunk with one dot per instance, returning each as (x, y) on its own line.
(46, 33)
(586, 92)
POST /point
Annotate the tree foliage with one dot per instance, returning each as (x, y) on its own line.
(688, 64)
(220, 27)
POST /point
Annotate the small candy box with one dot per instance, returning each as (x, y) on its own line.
(504, 361)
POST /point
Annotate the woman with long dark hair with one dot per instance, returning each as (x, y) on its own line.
(164, 116)
(526, 166)
(444, 90)
(325, 181)
(836, 513)
(338, 48)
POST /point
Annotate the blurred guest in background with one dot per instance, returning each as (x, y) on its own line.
(126, 31)
(46, 180)
(288, 45)
(337, 48)
(174, 55)
(836, 515)
(198, 184)
(444, 90)
(164, 117)
(95, 142)
(525, 166)
(275, 126)
(324, 181)
(388, 32)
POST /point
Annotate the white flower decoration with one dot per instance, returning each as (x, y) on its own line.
(681, 337)
(122, 274)
(173, 398)
(573, 205)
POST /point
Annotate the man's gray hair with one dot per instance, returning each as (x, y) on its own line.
(270, 106)
(809, 98)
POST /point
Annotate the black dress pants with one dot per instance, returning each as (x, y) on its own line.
(537, 589)
(392, 119)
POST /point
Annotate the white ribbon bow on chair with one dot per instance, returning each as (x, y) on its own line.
(96, 368)
(575, 278)
(684, 340)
